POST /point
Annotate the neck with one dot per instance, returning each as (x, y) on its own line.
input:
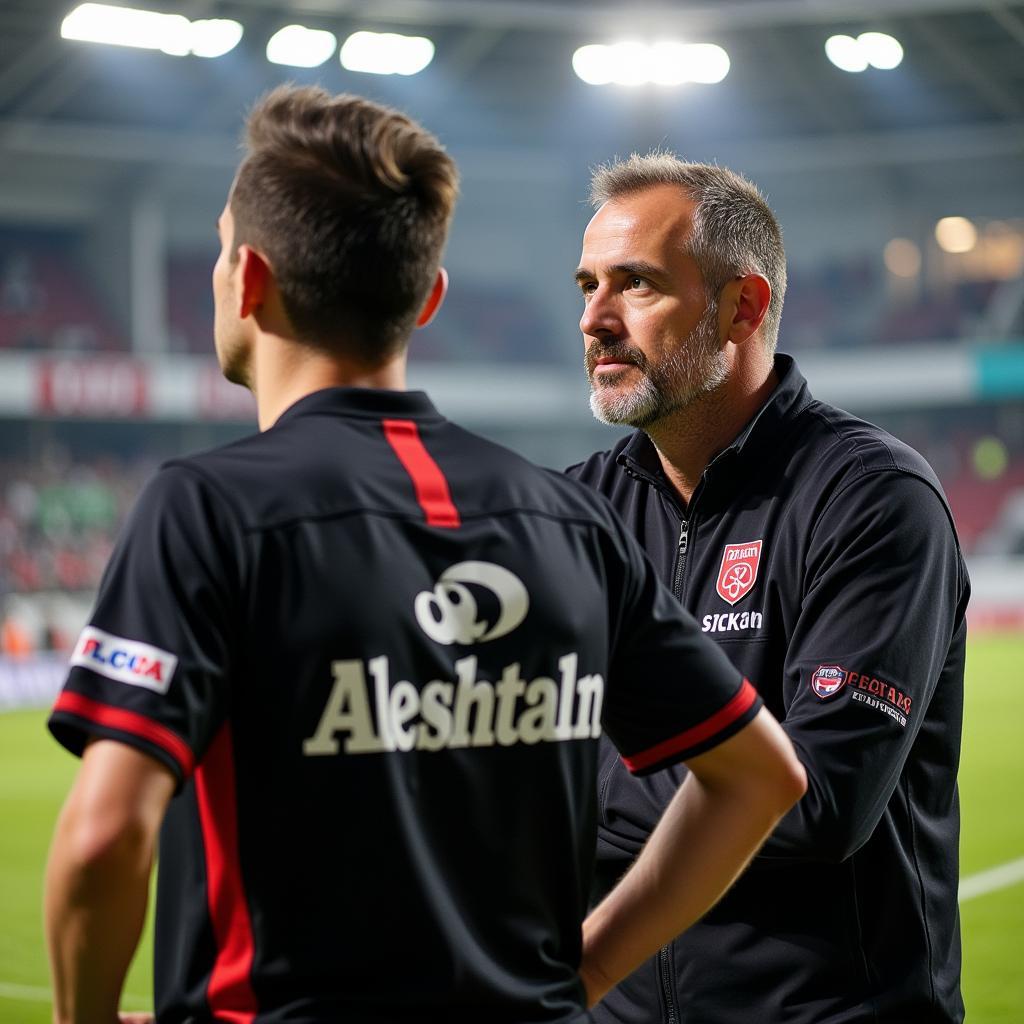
(285, 371)
(689, 438)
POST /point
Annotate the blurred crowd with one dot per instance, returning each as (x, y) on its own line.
(46, 304)
(59, 518)
(58, 522)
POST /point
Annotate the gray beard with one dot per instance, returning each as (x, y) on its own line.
(695, 367)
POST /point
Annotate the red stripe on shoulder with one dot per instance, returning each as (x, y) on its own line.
(111, 717)
(431, 487)
(229, 992)
(721, 719)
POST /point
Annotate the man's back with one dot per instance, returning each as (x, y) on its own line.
(393, 665)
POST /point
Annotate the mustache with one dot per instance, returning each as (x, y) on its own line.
(619, 351)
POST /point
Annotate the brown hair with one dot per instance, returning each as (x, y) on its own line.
(734, 230)
(350, 201)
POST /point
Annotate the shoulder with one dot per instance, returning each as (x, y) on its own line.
(501, 476)
(196, 492)
(862, 478)
(850, 451)
(866, 446)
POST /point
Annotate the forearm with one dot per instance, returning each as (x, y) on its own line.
(697, 850)
(95, 908)
(733, 797)
(97, 878)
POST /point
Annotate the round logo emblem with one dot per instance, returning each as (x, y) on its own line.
(828, 680)
(450, 613)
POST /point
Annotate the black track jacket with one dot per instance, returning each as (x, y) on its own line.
(820, 552)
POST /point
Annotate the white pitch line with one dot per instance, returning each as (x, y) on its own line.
(36, 994)
(29, 993)
(1001, 877)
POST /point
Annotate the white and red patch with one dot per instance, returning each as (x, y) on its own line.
(738, 573)
(828, 680)
(123, 660)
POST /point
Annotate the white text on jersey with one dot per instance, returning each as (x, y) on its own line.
(469, 712)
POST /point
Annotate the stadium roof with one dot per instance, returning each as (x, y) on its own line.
(502, 83)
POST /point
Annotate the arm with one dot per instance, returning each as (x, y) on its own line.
(732, 798)
(97, 877)
(882, 602)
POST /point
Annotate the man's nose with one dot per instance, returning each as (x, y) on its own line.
(599, 316)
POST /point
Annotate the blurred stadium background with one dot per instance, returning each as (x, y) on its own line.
(900, 190)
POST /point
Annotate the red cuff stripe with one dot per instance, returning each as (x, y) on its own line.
(229, 992)
(431, 487)
(111, 717)
(720, 720)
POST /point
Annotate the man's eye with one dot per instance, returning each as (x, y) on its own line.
(637, 282)
(588, 287)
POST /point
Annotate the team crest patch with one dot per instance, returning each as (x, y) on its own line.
(828, 680)
(738, 573)
(124, 661)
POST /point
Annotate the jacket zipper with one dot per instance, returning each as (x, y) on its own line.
(665, 973)
(668, 984)
(684, 538)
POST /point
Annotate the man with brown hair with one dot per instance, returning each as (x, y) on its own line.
(358, 664)
(820, 553)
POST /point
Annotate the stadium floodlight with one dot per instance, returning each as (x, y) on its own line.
(902, 257)
(706, 63)
(956, 234)
(386, 53)
(874, 49)
(150, 30)
(300, 47)
(213, 37)
(662, 63)
(592, 65)
(880, 50)
(846, 53)
(126, 26)
(667, 63)
(630, 64)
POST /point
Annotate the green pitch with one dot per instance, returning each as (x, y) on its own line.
(35, 774)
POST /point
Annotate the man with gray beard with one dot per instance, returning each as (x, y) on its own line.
(821, 553)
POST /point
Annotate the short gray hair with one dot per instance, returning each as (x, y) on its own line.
(734, 230)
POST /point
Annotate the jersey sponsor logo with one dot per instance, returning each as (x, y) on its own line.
(738, 572)
(882, 696)
(828, 680)
(728, 622)
(452, 612)
(124, 661)
(371, 715)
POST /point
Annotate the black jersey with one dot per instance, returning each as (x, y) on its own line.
(377, 651)
(820, 553)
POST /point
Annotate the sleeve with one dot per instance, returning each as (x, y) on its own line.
(885, 594)
(671, 694)
(151, 668)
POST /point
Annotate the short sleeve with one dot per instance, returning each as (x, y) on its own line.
(671, 694)
(151, 668)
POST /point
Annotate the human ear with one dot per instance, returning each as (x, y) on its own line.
(255, 275)
(434, 299)
(746, 299)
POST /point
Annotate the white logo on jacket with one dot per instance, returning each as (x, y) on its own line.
(450, 614)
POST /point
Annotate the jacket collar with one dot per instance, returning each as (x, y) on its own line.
(759, 437)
